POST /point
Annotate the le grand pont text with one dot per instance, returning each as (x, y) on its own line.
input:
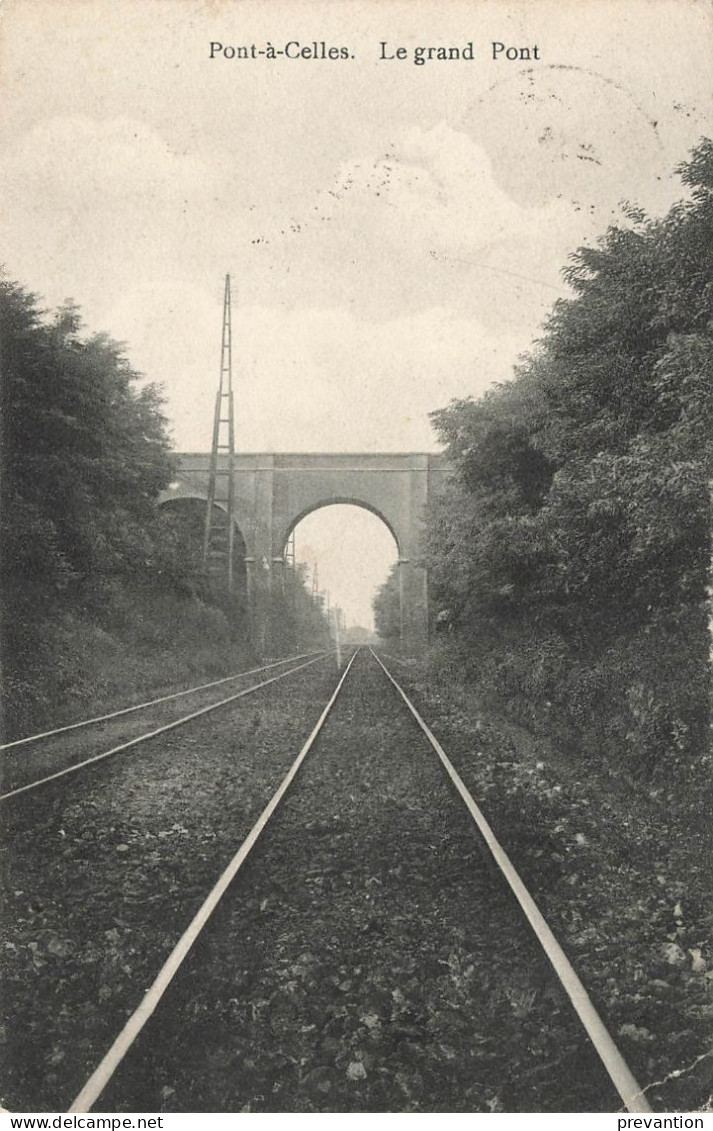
(321, 50)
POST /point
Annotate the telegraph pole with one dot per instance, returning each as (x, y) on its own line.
(290, 550)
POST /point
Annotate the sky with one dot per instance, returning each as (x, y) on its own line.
(395, 233)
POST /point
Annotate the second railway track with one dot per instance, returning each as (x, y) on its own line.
(367, 958)
(36, 760)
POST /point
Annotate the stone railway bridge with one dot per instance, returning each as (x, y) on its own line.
(275, 491)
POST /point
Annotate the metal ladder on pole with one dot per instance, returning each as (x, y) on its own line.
(219, 536)
(290, 551)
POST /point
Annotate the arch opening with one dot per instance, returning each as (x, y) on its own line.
(345, 502)
(183, 521)
(345, 551)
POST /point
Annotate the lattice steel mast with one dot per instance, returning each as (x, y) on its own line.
(219, 537)
(290, 551)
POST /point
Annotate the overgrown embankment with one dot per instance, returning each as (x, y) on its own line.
(569, 559)
(570, 554)
(144, 643)
(103, 598)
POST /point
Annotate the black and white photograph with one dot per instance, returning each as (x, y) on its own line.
(356, 625)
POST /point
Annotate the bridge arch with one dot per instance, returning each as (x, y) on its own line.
(184, 502)
(334, 501)
(275, 491)
(181, 490)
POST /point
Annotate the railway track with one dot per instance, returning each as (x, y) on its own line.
(33, 761)
(366, 958)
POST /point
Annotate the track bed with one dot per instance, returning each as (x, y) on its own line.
(367, 958)
(103, 868)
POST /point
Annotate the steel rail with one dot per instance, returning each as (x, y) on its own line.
(631, 1092)
(101, 1076)
(150, 702)
(159, 730)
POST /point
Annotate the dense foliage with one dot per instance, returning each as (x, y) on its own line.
(286, 616)
(387, 613)
(103, 591)
(86, 454)
(569, 555)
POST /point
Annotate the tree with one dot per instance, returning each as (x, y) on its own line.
(387, 609)
(572, 548)
(85, 453)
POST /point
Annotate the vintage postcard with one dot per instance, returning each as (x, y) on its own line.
(356, 362)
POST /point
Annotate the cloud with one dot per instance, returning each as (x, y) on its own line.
(309, 379)
(579, 135)
(82, 162)
(420, 223)
(90, 206)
